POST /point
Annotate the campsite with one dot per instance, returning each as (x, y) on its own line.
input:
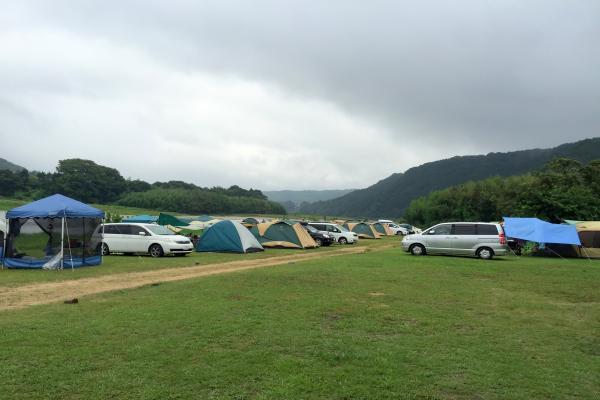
(315, 200)
(365, 314)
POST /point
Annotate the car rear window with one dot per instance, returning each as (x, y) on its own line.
(487, 229)
(464, 229)
(110, 229)
(125, 229)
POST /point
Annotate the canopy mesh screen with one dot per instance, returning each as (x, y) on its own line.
(33, 241)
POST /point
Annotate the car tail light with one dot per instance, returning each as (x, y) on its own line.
(502, 238)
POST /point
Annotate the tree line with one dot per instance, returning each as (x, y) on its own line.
(562, 189)
(92, 183)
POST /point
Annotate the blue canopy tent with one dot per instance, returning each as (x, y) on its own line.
(45, 224)
(536, 230)
(142, 219)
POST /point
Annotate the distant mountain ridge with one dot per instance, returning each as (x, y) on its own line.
(293, 199)
(5, 164)
(390, 196)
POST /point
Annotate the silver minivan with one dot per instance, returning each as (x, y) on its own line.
(481, 239)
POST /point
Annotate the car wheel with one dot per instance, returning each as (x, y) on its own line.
(156, 250)
(417, 250)
(343, 240)
(104, 249)
(319, 242)
(485, 253)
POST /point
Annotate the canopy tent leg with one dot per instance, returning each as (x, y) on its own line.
(69, 244)
(4, 240)
(62, 243)
(102, 243)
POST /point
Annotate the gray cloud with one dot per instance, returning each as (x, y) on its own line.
(260, 93)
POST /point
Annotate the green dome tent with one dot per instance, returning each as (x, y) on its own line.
(228, 236)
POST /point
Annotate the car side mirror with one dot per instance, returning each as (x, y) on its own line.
(142, 233)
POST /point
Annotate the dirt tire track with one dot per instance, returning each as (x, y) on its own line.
(12, 298)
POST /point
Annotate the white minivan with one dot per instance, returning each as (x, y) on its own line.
(340, 234)
(152, 239)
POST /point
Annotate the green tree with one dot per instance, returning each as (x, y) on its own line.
(88, 181)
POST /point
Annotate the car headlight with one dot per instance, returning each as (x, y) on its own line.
(326, 236)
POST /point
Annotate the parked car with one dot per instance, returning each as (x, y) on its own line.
(152, 239)
(411, 228)
(397, 229)
(340, 234)
(321, 238)
(484, 240)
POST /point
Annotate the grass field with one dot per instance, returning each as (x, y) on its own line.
(372, 326)
(115, 264)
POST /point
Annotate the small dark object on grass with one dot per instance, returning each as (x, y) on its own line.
(197, 263)
(72, 301)
(155, 284)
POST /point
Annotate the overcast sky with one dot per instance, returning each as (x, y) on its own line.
(292, 94)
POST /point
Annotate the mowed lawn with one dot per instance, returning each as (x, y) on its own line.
(116, 263)
(379, 325)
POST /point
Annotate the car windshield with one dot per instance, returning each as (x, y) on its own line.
(341, 228)
(159, 230)
(311, 229)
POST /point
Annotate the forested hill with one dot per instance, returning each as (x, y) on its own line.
(89, 182)
(390, 197)
(293, 199)
(7, 165)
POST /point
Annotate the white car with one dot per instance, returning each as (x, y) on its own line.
(340, 234)
(397, 229)
(152, 239)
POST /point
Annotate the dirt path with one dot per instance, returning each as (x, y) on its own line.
(43, 293)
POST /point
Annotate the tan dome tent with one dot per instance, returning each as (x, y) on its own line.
(283, 234)
(383, 229)
(250, 222)
(362, 229)
(589, 234)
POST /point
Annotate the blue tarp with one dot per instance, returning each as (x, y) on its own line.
(57, 206)
(536, 230)
(142, 219)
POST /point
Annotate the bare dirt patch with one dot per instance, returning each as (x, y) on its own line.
(43, 293)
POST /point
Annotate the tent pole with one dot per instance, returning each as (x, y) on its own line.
(62, 243)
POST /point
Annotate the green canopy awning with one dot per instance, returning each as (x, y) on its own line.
(166, 219)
